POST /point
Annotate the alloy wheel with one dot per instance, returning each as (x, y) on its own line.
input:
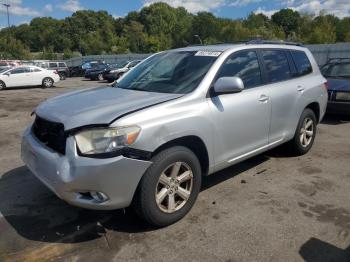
(306, 132)
(174, 187)
(48, 82)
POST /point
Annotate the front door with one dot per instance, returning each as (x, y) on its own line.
(241, 120)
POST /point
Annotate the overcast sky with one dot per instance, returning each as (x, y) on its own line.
(22, 11)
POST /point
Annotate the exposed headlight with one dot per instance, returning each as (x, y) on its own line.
(106, 140)
(343, 96)
(114, 71)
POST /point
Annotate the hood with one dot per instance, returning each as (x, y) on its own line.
(97, 106)
(339, 84)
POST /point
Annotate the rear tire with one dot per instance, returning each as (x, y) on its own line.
(100, 77)
(305, 133)
(2, 85)
(169, 187)
(47, 82)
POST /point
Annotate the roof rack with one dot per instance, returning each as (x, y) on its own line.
(272, 42)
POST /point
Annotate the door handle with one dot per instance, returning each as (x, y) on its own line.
(263, 98)
(300, 89)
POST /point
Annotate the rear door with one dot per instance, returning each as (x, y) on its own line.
(280, 72)
(241, 120)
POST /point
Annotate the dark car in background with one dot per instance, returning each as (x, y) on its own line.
(337, 72)
(96, 73)
(116, 73)
(80, 70)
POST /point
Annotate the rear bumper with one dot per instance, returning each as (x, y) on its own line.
(334, 107)
(70, 175)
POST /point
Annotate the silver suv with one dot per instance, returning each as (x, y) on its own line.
(177, 116)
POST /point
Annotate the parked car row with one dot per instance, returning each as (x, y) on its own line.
(109, 72)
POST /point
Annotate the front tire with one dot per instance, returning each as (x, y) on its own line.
(100, 77)
(169, 188)
(47, 82)
(2, 85)
(305, 133)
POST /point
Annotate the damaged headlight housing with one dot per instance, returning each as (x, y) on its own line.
(99, 141)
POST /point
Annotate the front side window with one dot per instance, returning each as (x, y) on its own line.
(52, 65)
(177, 72)
(301, 62)
(244, 65)
(62, 65)
(276, 64)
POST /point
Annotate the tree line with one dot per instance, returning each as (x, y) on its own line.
(160, 27)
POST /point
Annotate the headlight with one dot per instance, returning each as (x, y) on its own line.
(343, 96)
(113, 71)
(106, 140)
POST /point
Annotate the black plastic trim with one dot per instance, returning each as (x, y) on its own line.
(126, 152)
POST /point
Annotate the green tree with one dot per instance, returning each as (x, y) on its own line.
(288, 19)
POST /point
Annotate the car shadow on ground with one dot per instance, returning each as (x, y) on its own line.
(26, 87)
(317, 250)
(335, 119)
(37, 214)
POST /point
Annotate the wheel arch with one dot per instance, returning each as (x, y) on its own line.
(192, 142)
(315, 107)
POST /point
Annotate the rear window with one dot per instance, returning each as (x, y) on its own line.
(302, 63)
(336, 70)
(276, 64)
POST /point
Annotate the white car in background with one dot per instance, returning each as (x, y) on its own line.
(27, 76)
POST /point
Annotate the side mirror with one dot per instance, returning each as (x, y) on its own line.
(227, 85)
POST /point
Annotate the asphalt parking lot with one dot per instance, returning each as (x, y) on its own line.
(271, 208)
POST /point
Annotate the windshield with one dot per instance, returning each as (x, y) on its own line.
(336, 70)
(169, 72)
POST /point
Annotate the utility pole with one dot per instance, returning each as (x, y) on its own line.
(8, 15)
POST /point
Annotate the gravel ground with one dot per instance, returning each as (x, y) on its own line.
(270, 208)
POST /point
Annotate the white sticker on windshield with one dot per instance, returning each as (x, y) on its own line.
(208, 53)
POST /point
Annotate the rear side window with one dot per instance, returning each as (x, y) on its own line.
(244, 65)
(276, 64)
(301, 62)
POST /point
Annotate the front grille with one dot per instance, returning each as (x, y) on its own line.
(50, 133)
